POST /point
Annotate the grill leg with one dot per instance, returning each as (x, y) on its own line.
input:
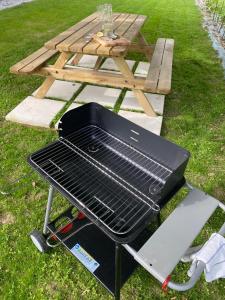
(48, 209)
(158, 219)
(117, 271)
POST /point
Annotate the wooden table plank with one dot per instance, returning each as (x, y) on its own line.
(92, 46)
(65, 45)
(81, 43)
(164, 84)
(130, 34)
(120, 31)
(64, 35)
(92, 76)
(38, 62)
(28, 60)
(155, 66)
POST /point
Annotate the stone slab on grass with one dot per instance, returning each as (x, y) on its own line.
(130, 102)
(72, 106)
(60, 89)
(102, 95)
(152, 124)
(35, 112)
(110, 65)
(87, 61)
(142, 69)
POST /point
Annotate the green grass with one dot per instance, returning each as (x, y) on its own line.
(194, 118)
(217, 6)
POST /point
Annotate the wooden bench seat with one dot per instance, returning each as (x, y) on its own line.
(159, 75)
(33, 61)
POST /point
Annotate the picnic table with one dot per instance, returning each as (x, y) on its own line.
(74, 42)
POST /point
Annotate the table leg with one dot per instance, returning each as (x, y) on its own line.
(43, 89)
(98, 62)
(142, 99)
(77, 58)
(117, 271)
(60, 63)
(142, 42)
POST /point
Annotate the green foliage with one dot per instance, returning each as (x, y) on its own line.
(194, 118)
(216, 6)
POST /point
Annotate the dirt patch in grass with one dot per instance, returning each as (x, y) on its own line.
(219, 193)
(52, 288)
(7, 218)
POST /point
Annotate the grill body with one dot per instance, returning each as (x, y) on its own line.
(119, 174)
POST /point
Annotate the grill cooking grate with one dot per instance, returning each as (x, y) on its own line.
(115, 182)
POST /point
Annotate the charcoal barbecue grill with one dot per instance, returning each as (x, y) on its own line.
(118, 176)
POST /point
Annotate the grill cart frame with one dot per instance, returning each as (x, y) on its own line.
(119, 176)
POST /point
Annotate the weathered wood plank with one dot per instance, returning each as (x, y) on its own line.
(43, 89)
(98, 62)
(51, 44)
(143, 43)
(81, 43)
(120, 31)
(142, 99)
(130, 34)
(38, 62)
(155, 66)
(77, 58)
(141, 49)
(92, 46)
(60, 63)
(65, 45)
(165, 77)
(92, 76)
(27, 60)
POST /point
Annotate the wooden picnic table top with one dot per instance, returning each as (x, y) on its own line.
(74, 38)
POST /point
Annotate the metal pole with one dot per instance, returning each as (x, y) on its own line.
(48, 208)
(117, 271)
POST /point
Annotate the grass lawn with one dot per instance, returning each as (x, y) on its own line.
(194, 118)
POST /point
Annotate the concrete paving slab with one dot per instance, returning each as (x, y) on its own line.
(130, 102)
(60, 89)
(110, 65)
(35, 112)
(102, 95)
(72, 106)
(87, 61)
(152, 124)
(142, 69)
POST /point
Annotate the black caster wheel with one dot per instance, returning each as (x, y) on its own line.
(39, 241)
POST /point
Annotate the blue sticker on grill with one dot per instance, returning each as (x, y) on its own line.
(85, 258)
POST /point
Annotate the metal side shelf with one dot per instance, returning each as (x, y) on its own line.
(173, 239)
(94, 249)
